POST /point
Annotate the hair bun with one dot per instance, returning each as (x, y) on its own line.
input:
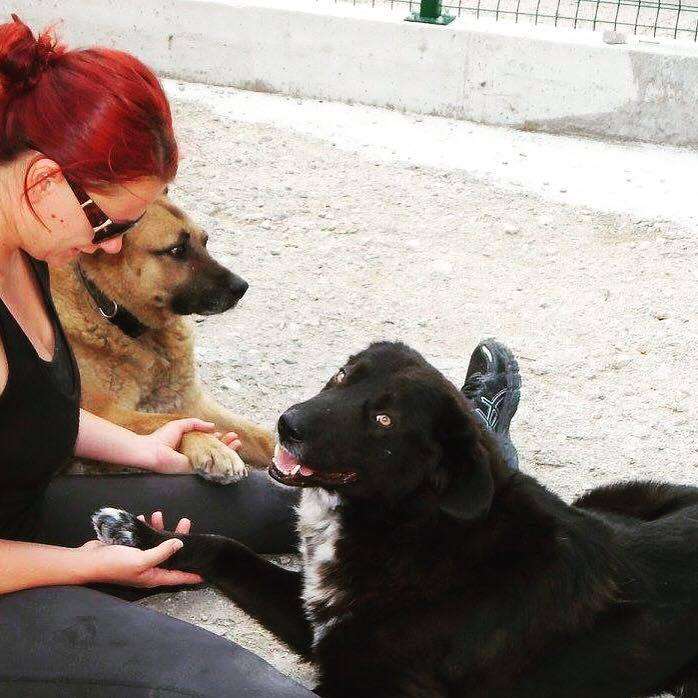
(23, 57)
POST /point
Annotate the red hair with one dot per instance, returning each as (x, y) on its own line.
(99, 113)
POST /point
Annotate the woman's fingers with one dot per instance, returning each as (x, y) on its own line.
(160, 577)
(192, 424)
(166, 549)
(183, 527)
(231, 440)
(157, 521)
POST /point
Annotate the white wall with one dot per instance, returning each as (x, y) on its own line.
(515, 75)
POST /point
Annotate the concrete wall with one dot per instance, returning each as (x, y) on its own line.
(514, 75)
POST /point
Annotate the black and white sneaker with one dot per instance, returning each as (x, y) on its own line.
(493, 384)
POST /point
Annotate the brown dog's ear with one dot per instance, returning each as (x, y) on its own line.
(466, 483)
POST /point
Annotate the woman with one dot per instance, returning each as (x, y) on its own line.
(86, 144)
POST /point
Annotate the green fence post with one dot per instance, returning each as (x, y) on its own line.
(430, 13)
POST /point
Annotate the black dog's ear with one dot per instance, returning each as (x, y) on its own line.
(466, 485)
(469, 496)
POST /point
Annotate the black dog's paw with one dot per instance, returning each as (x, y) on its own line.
(117, 527)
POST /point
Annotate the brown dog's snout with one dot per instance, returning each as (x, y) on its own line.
(238, 287)
(211, 291)
(223, 286)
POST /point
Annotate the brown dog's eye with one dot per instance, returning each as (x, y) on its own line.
(341, 375)
(383, 420)
(178, 252)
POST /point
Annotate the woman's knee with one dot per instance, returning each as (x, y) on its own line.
(79, 637)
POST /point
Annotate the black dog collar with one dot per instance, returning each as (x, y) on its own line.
(110, 310)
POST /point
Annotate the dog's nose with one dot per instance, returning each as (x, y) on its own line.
(288, 427)
(238, 287)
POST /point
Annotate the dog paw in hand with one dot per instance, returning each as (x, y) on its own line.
(212, 459)
(116, 527)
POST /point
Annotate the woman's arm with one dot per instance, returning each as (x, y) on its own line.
(99, 439)
(28, 565)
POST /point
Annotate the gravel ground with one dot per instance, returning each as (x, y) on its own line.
(341, 249)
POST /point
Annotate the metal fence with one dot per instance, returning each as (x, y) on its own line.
(647, 18)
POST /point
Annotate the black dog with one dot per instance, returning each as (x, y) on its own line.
(431, 570)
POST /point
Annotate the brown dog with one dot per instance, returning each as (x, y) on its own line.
(123, 315)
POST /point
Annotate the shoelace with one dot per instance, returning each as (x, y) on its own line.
(473, 384)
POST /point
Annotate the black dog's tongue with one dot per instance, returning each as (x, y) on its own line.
(288, 464)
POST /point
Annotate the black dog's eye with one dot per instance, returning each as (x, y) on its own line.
(383, 420)
(340, 376)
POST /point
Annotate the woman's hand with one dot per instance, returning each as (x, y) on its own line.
(230, 439)
(101, 440)
(164, 441)
(118, 564)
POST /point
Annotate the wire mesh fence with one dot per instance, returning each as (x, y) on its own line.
(648, 18)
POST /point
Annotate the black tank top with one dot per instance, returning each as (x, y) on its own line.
(39, 415)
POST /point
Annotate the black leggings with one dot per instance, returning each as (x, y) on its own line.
(256, 511)
(75, 642)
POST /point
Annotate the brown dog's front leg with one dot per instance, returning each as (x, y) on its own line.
(209, 457)
(257, 443)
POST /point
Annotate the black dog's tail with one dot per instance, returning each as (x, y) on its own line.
(643, 500)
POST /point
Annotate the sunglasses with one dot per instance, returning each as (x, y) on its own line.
(103, 227)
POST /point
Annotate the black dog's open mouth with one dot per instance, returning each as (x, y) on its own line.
(288, 470)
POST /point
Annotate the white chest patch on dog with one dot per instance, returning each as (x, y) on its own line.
(319, 527)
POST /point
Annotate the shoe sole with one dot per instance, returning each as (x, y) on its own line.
(511, 404)
(513, 382)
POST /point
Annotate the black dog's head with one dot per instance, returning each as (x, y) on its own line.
(386, 426)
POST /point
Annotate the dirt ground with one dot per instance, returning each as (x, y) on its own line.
(341, 249)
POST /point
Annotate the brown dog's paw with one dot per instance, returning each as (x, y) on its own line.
(213, 460)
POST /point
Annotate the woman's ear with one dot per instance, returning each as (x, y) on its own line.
(466, 485)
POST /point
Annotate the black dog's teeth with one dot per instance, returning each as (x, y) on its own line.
(116, 527)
